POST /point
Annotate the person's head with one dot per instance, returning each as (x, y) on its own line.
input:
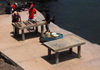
(15, 12)
(46, 11)
(9, 3)
(32, 5)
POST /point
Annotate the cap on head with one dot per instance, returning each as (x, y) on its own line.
(15, 12)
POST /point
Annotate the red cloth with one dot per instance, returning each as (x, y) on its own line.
(13, 6)
(31, 5)
(31, 13)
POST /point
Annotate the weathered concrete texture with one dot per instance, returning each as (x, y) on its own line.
(32, 55)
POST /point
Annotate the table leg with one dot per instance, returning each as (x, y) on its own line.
(57, 57)
(36, 29)
(79, 51)
(70, 50)
(42, 30)
(23, 36)
(49, 53)
(16, 31)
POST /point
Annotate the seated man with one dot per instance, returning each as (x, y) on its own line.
(16, 17)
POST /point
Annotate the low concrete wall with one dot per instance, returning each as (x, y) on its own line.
(2, 7)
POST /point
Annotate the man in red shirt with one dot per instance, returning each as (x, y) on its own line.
(13, 7)
(32, 11)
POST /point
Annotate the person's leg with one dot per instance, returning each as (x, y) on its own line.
(47, 27)
(31, 29)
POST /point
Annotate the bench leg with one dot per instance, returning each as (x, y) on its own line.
(70, 50)
(23, 36)
(36, 29)
(49, 53)
(79, 51)
(16, 31)
(57, 57)
(42, 30)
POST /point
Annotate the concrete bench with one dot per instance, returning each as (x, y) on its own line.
(27, 24)
(60, 45)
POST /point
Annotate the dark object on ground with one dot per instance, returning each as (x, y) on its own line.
(6, 66)
(51, 37)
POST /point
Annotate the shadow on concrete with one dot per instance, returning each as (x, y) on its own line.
(63, 56)
(27, 35)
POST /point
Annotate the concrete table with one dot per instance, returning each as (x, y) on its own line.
(28, 24)
(63, 44)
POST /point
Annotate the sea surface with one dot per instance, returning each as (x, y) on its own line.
(81, 17)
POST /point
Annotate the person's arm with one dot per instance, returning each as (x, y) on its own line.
(19, 18)
(29, 10)
(12, 18)
(34, 11)
(49, 17)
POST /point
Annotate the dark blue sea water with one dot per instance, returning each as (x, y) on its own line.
(81, 17)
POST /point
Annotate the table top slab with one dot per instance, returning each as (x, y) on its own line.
(64, 43)
(22, 25)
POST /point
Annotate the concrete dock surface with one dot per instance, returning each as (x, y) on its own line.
(32, 55)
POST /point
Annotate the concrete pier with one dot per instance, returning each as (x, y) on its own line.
(32, 55)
